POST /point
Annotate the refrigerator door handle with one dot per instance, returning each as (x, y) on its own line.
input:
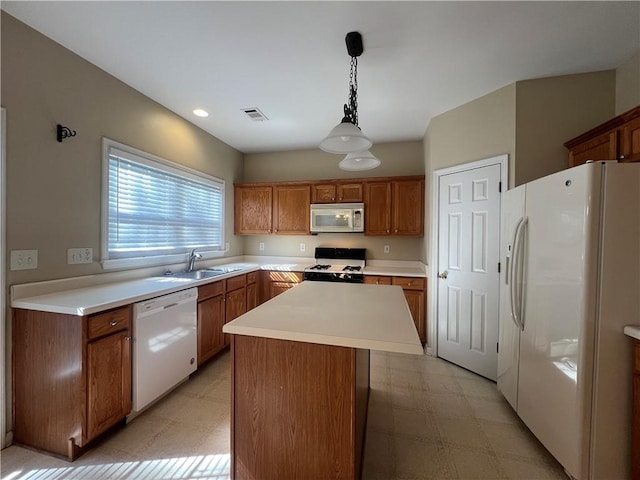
(519, 282)
(512, 274)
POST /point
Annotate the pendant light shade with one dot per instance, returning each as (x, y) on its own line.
(359, 161)
(345, 138)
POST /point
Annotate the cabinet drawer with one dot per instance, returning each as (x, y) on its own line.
(377, 280)
(636, 356)
(236, 282)
(109, 322)
(252, 277)
(210, 290)
(409, 283)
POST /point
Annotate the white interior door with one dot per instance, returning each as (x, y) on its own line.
(467, 263)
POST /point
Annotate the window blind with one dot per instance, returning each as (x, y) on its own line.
(157, 210)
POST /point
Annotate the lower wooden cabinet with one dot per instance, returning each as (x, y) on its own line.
(72, 377)
(108, 382)
(415, 293)
(275, 282)
(211, 315)
(252, 290)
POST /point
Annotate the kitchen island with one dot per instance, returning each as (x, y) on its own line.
(300, 378)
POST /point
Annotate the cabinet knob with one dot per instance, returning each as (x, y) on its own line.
(621, 157)
(409, 284)
(377, 282)
(127, 338)
(396, 231)
(113, 323)
(387, 231)
(275, 231)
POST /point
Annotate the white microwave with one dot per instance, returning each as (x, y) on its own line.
(337, 217)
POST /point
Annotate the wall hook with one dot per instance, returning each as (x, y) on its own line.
(65, 132)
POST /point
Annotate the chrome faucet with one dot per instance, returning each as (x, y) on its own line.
(193, 256)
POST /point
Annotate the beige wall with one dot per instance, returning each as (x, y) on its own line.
(398, 158)
(482, 128)
(550, 111)
(53, 189)
(628, 84)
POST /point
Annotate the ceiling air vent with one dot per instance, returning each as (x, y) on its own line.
(255, 114)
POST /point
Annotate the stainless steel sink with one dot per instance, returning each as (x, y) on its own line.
(199, 274)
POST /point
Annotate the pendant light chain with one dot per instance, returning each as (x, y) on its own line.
(353, 90)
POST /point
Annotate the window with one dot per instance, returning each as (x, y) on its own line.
(155, 211)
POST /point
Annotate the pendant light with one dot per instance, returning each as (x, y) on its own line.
(346, 137)
(359, 161)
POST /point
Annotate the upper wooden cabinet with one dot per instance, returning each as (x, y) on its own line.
(394, 207)
(280, 209)
(291, 210)
(336, 192)
(253, 209)
(617, 139)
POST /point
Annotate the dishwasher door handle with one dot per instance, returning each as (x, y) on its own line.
(171, 305)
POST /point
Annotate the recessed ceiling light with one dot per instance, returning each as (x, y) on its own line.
(200, 113)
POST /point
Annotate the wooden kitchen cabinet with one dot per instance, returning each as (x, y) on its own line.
(109, 382)
(291, 209)
(414, 289)
(253, 210)
(235, 300)
(275, 282)
(616, 139)
(72, 378)
(211, 318)
(337, 192)
(252, 290)
(395, 207)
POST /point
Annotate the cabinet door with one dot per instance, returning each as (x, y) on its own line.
(108, 382)
(377, 216)
(252, 296)
(291, 210)
(211, 315)
(277, 288)
(350, 192)
(408, 207)
(324, 193)
(377, 280)
(236, 305)
(602, 147)
(253, 210)
(630, 147)
(415, 300)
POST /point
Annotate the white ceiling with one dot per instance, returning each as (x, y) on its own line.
(289, 58)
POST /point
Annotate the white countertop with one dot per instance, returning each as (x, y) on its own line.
(374, 317)
(633, 331)
(88, 295)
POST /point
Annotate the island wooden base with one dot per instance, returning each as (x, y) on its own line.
(298, 410)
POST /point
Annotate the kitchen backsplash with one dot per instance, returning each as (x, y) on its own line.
(400, 248)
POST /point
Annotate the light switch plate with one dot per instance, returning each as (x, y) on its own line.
(387, 249)
(261, 246)
(24, 259)
(303, 247)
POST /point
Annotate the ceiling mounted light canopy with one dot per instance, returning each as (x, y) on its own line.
(359, 161)
(346, 137)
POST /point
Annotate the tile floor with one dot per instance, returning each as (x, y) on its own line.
(428, 419)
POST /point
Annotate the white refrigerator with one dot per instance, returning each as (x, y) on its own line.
(571, 282)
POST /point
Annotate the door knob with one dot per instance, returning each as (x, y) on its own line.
(443, 275)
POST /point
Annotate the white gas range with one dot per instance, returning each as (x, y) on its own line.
(337, 265)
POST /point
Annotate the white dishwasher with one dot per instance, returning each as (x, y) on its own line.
(164, 345)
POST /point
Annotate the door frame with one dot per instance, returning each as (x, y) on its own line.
(503, 161)
(3, 363)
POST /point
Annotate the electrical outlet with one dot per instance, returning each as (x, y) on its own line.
(79, 255)
(24, 259)
(387, 249)
(303, 247)
(261, 246)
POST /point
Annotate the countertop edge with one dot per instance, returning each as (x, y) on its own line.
(632, 331)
